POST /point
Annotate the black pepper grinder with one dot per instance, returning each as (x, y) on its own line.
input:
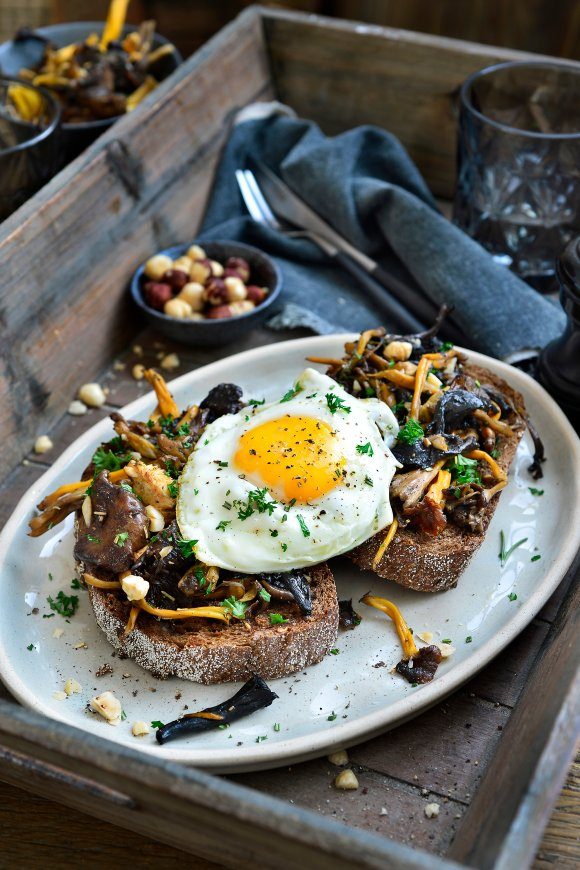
(559, 362)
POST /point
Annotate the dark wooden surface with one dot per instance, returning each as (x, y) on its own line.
(440, 757)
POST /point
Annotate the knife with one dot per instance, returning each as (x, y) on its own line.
(288, 205)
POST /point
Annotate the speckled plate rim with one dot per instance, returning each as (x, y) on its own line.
(367, 725)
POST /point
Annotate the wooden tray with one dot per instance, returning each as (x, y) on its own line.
(493, 756)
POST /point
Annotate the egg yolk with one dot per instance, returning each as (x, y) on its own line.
(295, 457)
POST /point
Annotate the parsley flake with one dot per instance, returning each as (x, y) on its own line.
(468, 639)
(222, 525)
(535, 491)
(235, 607)
(332, 717)
(277, 619)
(512, 596)
(291, 393)
(106, 460)
(120, 538)
(335, 403)
(264, 595)
(369, 481)
(303, 526)
(334, 651)
(464, 470)
(257, 501)
(64, 604)
(157, 724)
(186, 548)
(505, 554)
(173, 489)
(411, 432)
(255, 403)
(365, 449)
(535, 558)
(30, 647)
(276, 726)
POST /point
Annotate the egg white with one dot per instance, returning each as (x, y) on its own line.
(355, 509)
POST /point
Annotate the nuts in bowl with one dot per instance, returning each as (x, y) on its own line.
(207, 293)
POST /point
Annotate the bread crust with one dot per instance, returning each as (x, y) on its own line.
(212, 652)
(433, 564)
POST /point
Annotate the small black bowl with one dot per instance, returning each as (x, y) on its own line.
(264, 273)
(25, 53)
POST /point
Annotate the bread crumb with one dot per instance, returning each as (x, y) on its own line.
(170, 362)
(339, 758)
(432, 811)
(77, 408)
(43, 444)
(346, 780)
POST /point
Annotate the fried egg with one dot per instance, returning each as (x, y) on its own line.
(289, 483)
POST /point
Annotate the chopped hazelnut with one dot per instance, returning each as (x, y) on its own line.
(339, 758)
(135, 587)
(77, 408)
(43, 444)
(170, 362)
(108, 706)
(346, 780)
(140, 729)
(398, 350)
(92, 395)
(71, 687)
(138, 371)
(432, 810)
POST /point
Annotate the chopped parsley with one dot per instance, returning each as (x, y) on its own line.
(411, 432)
(256, 501)
(334, 651)
(446, 640)
(369, 481)
(447, 345)
(494, 453)
(284, 547)
(64, 604)
(222, 525)
(291, 393)
(255, 403)
(221, 463)
(184, 429)
(93, 539)
(171, 469)
(303, 526)
(512, 596)
(173, 489)
(535, 558)
(277, 619)
(75, 584)
(264, 595)
(186, 548)
(234, 607)
(261, 738)
(127, 487)
(335, 403)
(365, 449)
(30, 647)
(120, 538)
(276, 726)
(468, 639)
(464, 470)
(505, 554)
(157, 724)
(535, 491)
(332, 717)
(106, 460)
(274, 533)
(200, 577)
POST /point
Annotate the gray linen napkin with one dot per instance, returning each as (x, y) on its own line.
(364, 183)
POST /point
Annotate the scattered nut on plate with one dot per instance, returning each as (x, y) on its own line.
(339, 758)
(193, 287)
(108, 706)
(92, 395)
(43, 444)
(346, 780)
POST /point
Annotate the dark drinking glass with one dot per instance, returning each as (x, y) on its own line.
(29, 144)
(518, 183)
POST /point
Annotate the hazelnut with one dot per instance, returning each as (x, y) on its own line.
(183, 264)
(216, 292)
(196, 253)
(169, 362)
(346, 780)
(176, 278)
(156, 294)
(242, 267)
(92, 395)
(256, 294)
(43, 444)
(219, 312)
(216, 269)
(241, 307)
(398, 350)
(193, 293)
(77, 409)
(339, 758)
(201, 271)
(235, 289)
(156, 266)
(177, 308)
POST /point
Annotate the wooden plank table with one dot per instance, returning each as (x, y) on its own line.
(441, 756)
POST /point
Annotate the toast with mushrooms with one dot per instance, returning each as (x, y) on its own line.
(153, 599)
(459, 428)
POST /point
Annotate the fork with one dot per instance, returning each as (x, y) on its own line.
(261, 213)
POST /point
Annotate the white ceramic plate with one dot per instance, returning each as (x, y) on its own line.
(343, 699)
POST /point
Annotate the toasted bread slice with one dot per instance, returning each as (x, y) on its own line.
(434, 563)
(213, 652)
